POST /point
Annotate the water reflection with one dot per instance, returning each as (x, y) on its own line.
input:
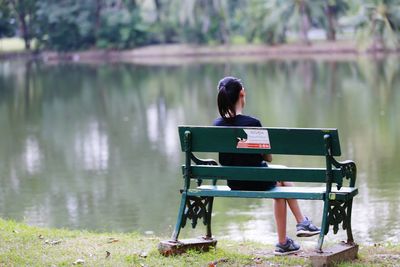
(96, 146)
(91, 148)
(32, 155)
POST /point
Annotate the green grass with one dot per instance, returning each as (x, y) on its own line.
(33, 246)
(12, 45)
(239, 40)
(23, 245)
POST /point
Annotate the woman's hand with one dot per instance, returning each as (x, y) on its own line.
(267, 157)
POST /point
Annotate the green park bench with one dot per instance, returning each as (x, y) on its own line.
(197, 200)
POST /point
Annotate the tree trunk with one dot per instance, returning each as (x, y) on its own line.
(20, 11)
(378, 43)
(220, 13)
(331, 32)
(97, 14)
(158, 5)
(25, 32)
(304, 24)
(207, 11)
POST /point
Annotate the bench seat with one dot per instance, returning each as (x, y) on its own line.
(295, 192)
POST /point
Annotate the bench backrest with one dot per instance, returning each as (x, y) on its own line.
(287, 141)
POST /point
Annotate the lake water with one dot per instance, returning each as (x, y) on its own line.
(95, 146)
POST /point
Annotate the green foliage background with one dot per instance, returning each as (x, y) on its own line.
(121, 24)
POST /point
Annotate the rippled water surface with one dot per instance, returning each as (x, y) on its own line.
(87, 146)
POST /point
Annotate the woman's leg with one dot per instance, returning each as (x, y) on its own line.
(293, 204)
(280, 219)
(304, 227)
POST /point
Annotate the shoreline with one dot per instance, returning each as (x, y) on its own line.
(24, 245)
(183, 53)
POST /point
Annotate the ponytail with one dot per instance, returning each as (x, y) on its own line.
(225, 106)
(228, 94)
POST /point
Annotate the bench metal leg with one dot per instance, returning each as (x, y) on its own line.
(336, 213)
(193, 208)
(208, 217)
(181, 211)
(350, 239)
(324, 226)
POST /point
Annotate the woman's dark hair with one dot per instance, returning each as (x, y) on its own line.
(228, 94)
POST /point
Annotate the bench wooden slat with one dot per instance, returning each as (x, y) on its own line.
(295, 192)
(313, 175)
(289, 141)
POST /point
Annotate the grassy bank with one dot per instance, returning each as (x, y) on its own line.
(12, 45)
(22, 245)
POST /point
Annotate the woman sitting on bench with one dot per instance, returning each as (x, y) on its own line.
(231, 101)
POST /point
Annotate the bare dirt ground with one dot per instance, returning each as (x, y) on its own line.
(185, 53)
(178, 54)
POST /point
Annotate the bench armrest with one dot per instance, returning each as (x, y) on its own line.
(349, 170)
(202, 161)
(199, 161)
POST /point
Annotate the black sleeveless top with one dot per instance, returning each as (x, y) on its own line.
(237, 159)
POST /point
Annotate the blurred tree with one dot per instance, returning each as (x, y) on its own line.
(164, 26)
(273, 19)
(122, 25)
(7, 20)
(25, 11)
(66, 24)
(377, 23)
(97, 16)
(205, 20)
(332, 10)
(73, 24)
(159, 6)
(265, 22)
